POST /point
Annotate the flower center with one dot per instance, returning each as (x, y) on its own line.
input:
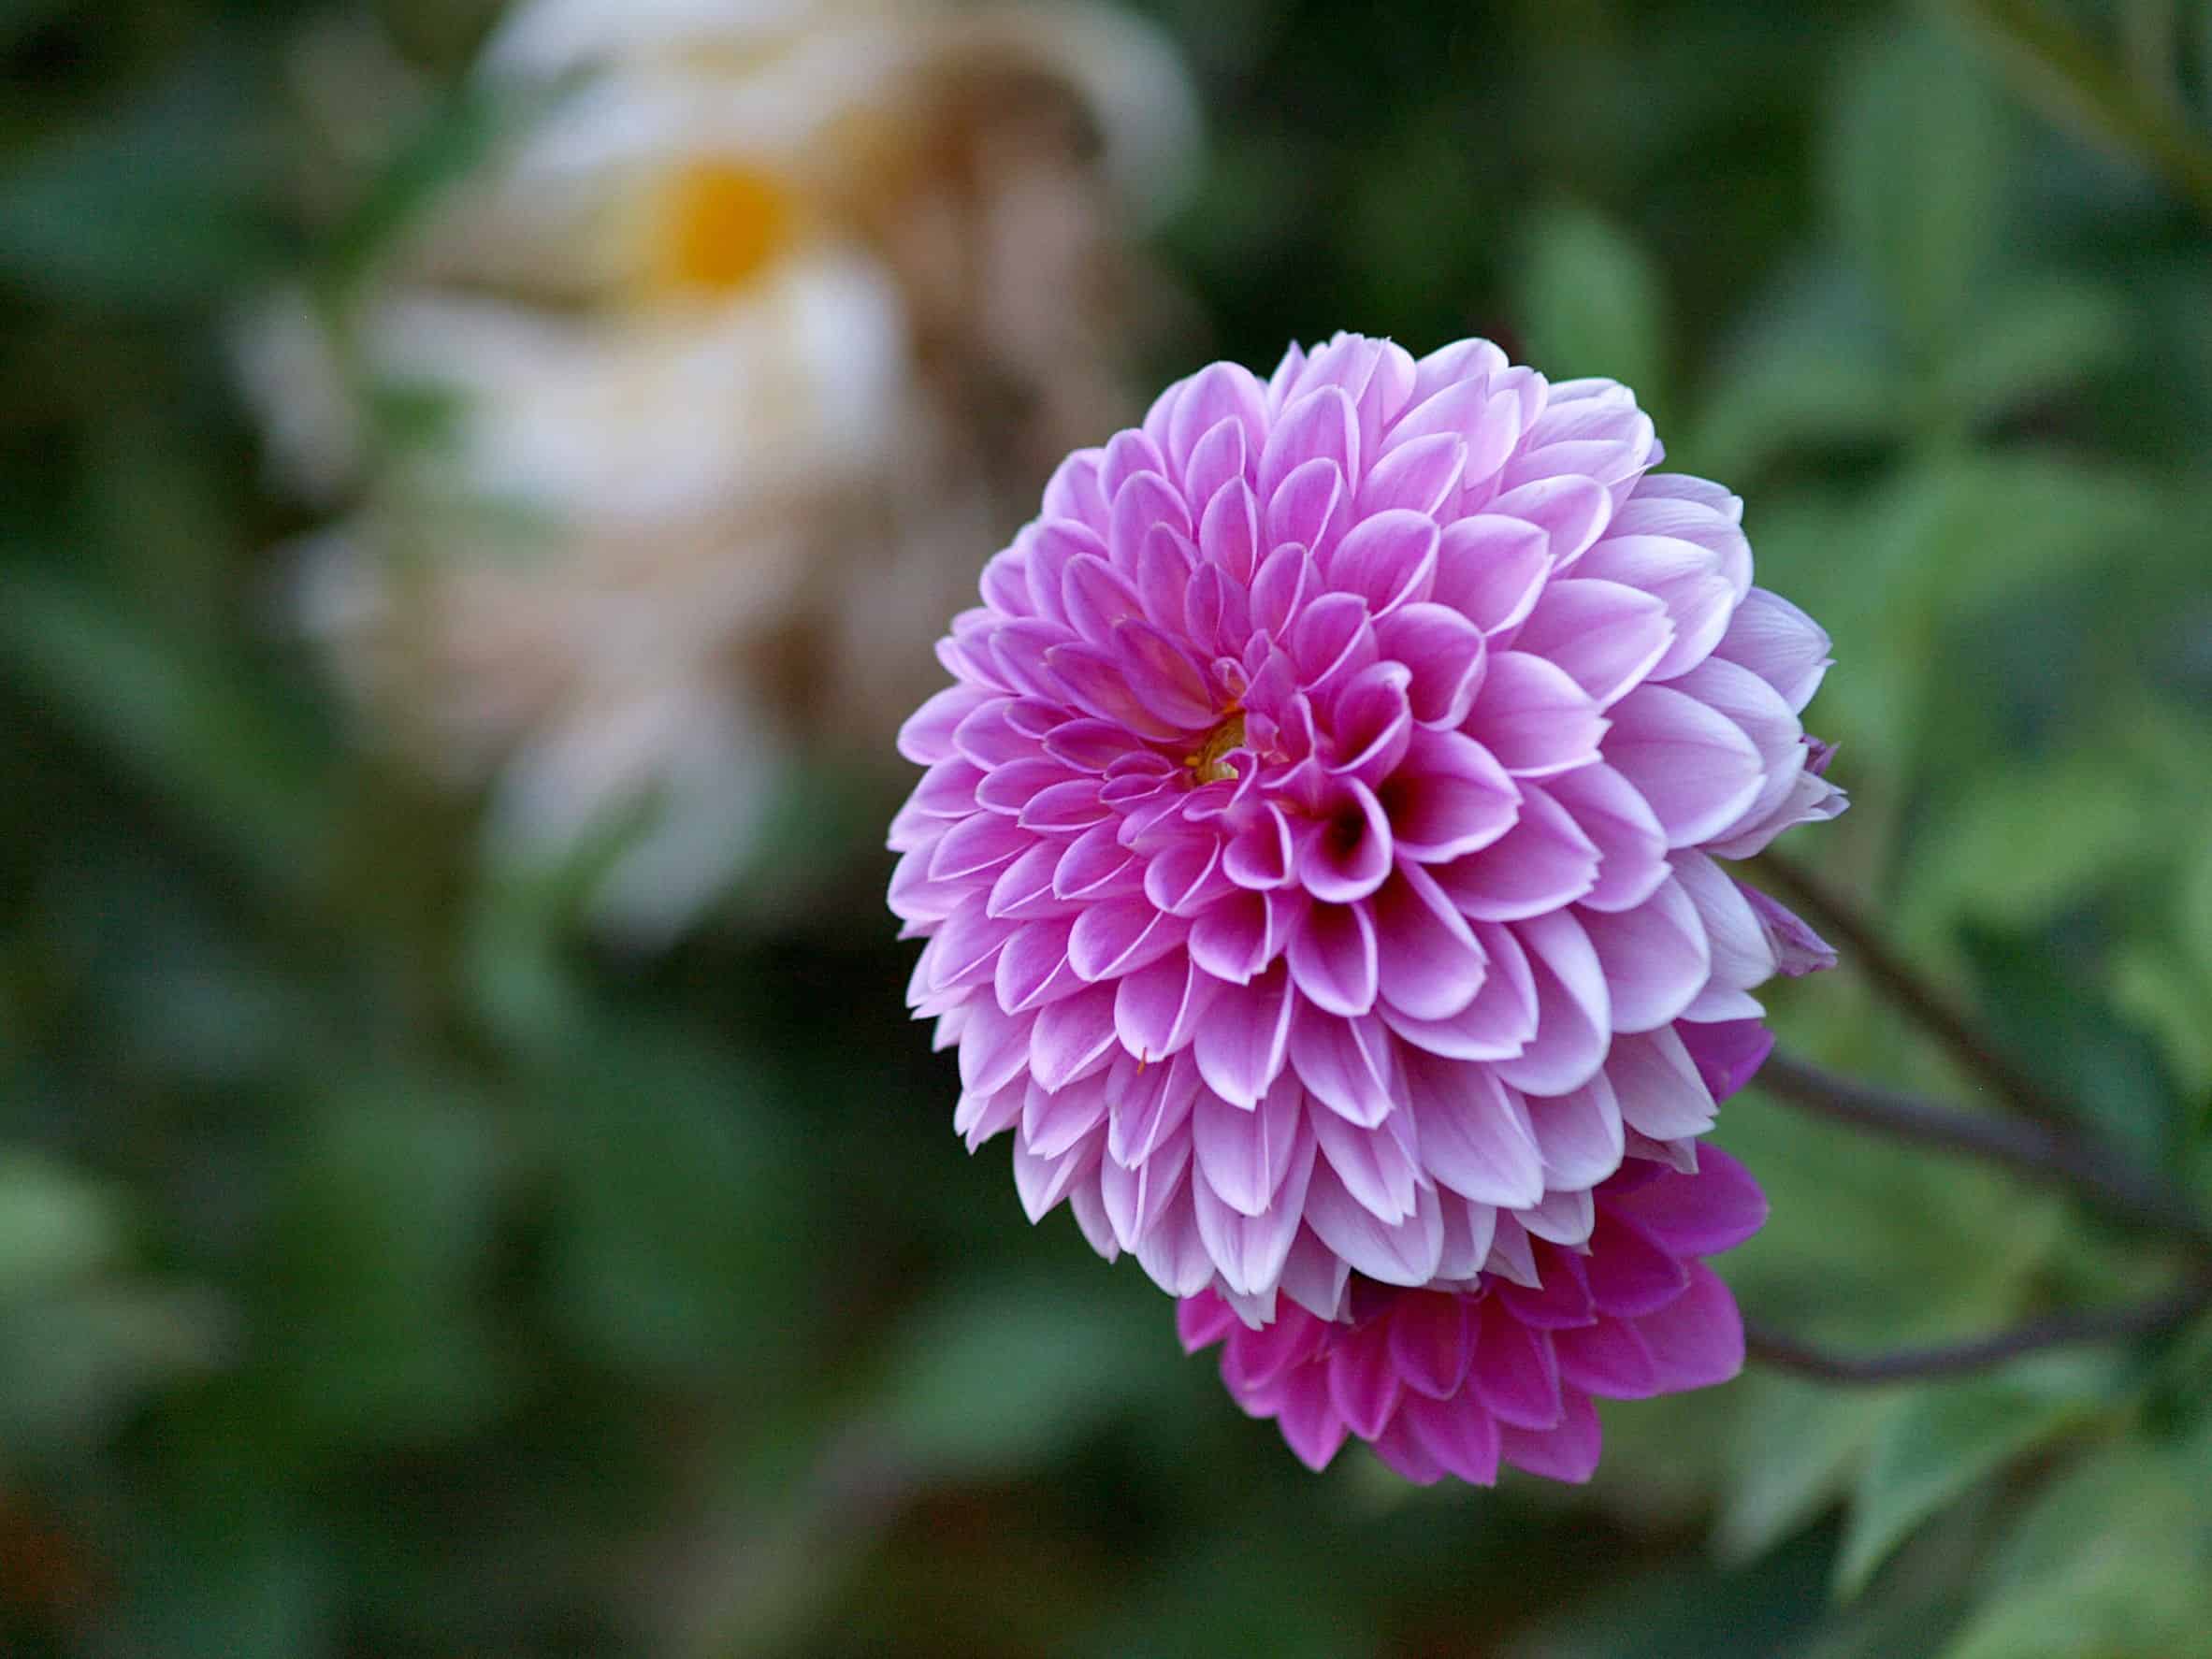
(1205, 761)
(722, 224)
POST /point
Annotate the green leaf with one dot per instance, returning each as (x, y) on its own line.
(54, 1226)
(2029, 840)
(2029, 342)
(1917, 172)
(1793, 1448)
(2110, 1560)
(1944, 1440)
(1590, 303)
(1795, 390)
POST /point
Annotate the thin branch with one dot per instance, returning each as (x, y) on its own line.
(2054, 68)
(1902, 983)
(1779, 1351)
(2062, 1158)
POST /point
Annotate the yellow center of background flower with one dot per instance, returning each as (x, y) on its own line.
(724, 223)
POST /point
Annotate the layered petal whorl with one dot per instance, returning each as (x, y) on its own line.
(1315, 854)
(1457, 1381)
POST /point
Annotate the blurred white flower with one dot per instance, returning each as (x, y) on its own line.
(662, 425)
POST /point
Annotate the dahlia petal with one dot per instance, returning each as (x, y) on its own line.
(1092, 1218)
(1431, 1341)
(1321, 425)
(979, 1117)
(1144, 1111)
(1632, 843)
(1373, 722)
(1779, 643)
(1468, 1229)
(1561, 1302)
(1136, 1196)
(1575, 1008)
(1543, 863)
(1314, 1276)
(1535, 718)
(1388, 559)
(926, 738)
(1235, 939)
(1742, 954)
(1606, 637)
(1120, 936)
(1345, 856)
(1610, 1360)
(1406, 1454)
(1145, 501)
(1025, 888)
(1248, 1251)
(1450, 796)
(1514, 1373)
(1172, 1250)
(1475, 1135)
(978, 846)
(1570, 510)
(1044, 1182)
(1262, 855)
(1183, 879)
(1460, 1437)
(1095, 866)
(1032, 969)
(1403, 1253)
(1578, 1134)
(1500, 1020)
(947, 791)
(1512, 1253)
(1697, 1339)
(1797, 948)
(1726, 1054)
(1161, 675)
(1693, 766)
(1018, 650)
(1242, 1050)
(1065, 809)
(1072, 1037)
(1430, 966)
(1630, 1273)
(1655, 956)
(1094, 596)
(1127, 456)
(1567, 1451)
(1363, 1384)
(1052, 1124)
(1418, 475)
(1445, 655)
(1560, 1218)
(1702, 1214)
(1346, 1065)
(1310, 1426)
(1245, 1152)
(1221, 403)
(1658, 1083)
(1491, 569)
(1305, 510)
(1280, 586)
(1695, 511)
(1165, 565)
(1202, 1320)
(1684, 576)
(1333, 961)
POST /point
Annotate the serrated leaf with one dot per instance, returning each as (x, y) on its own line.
(1944, 1440)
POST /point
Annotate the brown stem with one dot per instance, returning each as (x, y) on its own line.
(1899, 981)
(1779, 1351)
(2063, 1158)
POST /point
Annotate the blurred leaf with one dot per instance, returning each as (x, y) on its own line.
(54, 1226)
(2045, 1010)
(2153, 989)
(1590, 303)
(2030, 842)
(1917, 167)
(1797, 389)
(2110, 1561)
(198, 732)
(1946, 1439)
(1001, 1375)
(2029, 343)
(152, 206)
(1793, 1448)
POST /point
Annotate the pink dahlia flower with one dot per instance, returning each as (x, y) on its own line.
(1316, 850)
(1455, 1381)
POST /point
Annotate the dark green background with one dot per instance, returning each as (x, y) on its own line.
(385, 1272)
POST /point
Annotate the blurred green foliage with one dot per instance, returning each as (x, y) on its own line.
(384, 1271)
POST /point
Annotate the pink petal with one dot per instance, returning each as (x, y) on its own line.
(1240, 1051)
(1543, 863)
(1432, 1342)
(1606, 637)
(1333, 958)
(1491, 569)
(1448, 798)
(1475, 1135)
(1695, 766)
(1574, 1009)
(1534, 717)
(1431, 967)
(1388, 559)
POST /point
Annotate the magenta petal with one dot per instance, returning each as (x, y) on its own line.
(1363, 1382)
(1514, 1374)
(1346, 855)
(1692, 763)
(1241, 1050)
(1310, 1423)
(1245, 1152)
(1566, 1451)
(1417, 476)
(1491, 569)
(1631, 844)
(1606, 637)
(1388, 559)
(1459, 1434)
(1658, 1083)
(1728, 1055)
(1393, 1253)
(1430, 965)
(1346, 1065)
(1697, 1339)
(926, 738)
(1303, 513)
(1333, 958)
(1535, 718)
(1449, 798)
(1474, 1133)
(1655, 956)
(1072, 1037)
(1445, 655)
(1202, 1320)
(1543, 863)
(1432, 1341)
(1574, 1009)
(1702, 1214)
(1630, 1272)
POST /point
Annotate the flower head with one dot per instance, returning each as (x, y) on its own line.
(1316, 853)
(1455, 1381)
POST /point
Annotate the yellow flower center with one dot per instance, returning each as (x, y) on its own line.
(722, 224)
(1205, 765)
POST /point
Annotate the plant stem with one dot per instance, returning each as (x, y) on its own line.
(1899, 980)
(2062, 1158)
(1781, 1352)
(2054, 68)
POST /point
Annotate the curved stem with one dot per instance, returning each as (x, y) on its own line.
(1904, 984)
(1781, 1352)
(2062, 1158)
